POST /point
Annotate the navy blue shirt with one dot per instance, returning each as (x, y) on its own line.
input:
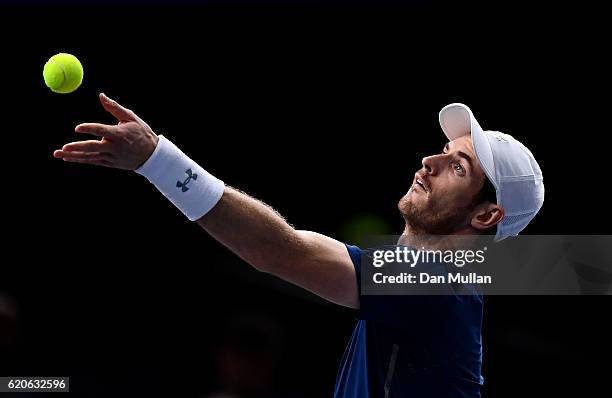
(412, 346)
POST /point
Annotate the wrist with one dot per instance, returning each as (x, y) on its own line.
(150, 146)
(185, 183)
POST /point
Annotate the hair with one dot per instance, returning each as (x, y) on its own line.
(486, 194)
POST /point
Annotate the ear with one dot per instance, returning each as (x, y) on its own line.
(487, 216)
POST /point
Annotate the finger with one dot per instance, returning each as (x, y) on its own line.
(84, 155)
(97, 129)
(103, 163)
(86, 146)
(121, 113)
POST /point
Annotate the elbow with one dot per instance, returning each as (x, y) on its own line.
(269, 264)
(265, 265)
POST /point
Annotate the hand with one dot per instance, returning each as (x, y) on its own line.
(126, 145)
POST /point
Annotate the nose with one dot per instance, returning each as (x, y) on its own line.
(430, 164)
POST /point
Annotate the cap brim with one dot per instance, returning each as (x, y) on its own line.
(457, 121)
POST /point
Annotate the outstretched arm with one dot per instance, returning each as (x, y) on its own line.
(246, 226)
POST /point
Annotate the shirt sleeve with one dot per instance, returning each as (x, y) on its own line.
(387, 309)
(403, 311)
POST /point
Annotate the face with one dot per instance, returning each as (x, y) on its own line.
(441, 198)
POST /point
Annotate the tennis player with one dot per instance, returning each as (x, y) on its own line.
(482, 182)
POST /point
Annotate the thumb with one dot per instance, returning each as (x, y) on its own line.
(122, 114)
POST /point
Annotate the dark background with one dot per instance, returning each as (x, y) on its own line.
(322, 111)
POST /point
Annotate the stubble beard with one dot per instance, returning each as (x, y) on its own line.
(428, 219)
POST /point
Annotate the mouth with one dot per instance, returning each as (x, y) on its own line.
(420, 183)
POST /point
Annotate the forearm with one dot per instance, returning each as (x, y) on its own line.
(248, 227)
(252, 230)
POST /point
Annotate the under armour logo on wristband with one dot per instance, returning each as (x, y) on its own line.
(183, 185)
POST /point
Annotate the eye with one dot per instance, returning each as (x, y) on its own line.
(458, 168)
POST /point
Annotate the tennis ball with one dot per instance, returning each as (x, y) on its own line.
(63, 73)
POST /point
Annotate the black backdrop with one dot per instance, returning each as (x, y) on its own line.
(323, 112)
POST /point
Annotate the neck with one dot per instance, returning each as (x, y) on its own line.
(420, 239)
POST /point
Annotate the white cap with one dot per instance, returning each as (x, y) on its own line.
(508, 164)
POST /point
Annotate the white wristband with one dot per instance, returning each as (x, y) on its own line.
(187, 185)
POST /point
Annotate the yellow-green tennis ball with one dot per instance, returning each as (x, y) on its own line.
(63, 73)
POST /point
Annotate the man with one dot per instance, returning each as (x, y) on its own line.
(417, 346)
